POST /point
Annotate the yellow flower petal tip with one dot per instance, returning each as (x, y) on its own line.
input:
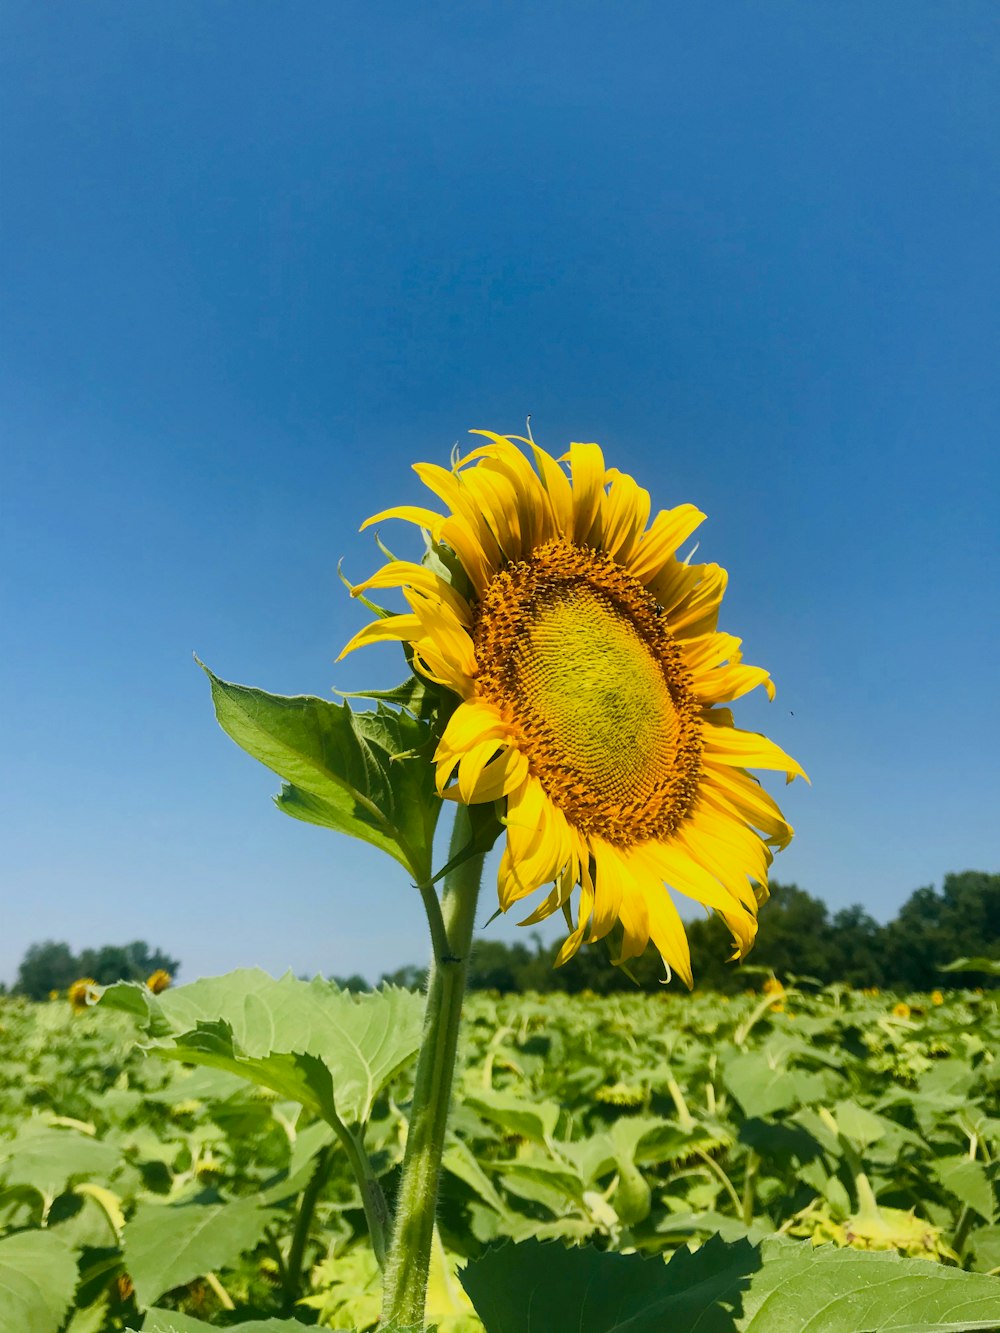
(593, 685)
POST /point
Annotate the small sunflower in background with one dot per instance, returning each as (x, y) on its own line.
(901, 1010)
(81, 993)
(937, 997)
(592, 684)
(159, 980)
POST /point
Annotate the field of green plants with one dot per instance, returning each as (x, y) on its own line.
(193, 1160)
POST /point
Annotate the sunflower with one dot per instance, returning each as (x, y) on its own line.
(590, 677)
(81, 993)
(159, 980)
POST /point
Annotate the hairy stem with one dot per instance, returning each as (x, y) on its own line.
(405, 1282)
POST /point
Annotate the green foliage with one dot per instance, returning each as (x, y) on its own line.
(169, 1245)
(627, 1123)
(724, 1288)
(37, 1278)
(53, 966)
(368, 774)
(326, 1049)
(171, 1321)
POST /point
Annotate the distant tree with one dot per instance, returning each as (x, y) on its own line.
(53, 966)
(46, 967)
(124, 962)
(933, 928)
(495, 965)
(410, 976)
(355, 983)
(857, 948)
(797, 937)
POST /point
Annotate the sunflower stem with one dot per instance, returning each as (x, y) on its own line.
(405, 1284)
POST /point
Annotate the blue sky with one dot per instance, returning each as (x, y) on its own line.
(259, 258)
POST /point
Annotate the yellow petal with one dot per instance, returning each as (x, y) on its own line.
(666, 930)
(408, 574)
(698, 612)
(391, 628)
(709, 650)
(538, 841)
(610, 880)
(626, 511)
(586, 464)
(573, 941)
(746, 749)
(669, 529)
(724, 684)
(424, 518)
(452, 489)
(735, 792)
(558, 491)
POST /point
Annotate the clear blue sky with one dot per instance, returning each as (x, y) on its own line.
(258, 258)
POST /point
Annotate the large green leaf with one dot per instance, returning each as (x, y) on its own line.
(168, 1245)
(170, 1321)
(762, 1088)
(990, 966)
(37, 1280)
(368, 774)
(970, 1182)
(514, 1115)
(779, 1287)
(49, 1158)
(308, 1041)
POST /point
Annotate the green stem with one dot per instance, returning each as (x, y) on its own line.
(684, 1117)
(405, 1282)
(372, 1198)
(958, 1240)
(749, 1182)
(727, 1184)
(292, 1276)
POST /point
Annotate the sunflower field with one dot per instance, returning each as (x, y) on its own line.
(223, 1154)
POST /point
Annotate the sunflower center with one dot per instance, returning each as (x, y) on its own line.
(575, 653)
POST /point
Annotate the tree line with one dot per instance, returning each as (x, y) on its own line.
(53, 966)
(799, 938)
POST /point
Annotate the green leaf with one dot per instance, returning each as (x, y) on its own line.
(761, 1088)
(861, 1126)
(991, 966)
(309, 1041)
(414, 694)
(37, 1280)
(170, 1321)
(169, 1245)
(369, 774)
(969, 1182)
(535, 1288)
(47, 1158)
(514, 1115)
(91, 1318)
(460, 1160)
(984, 1244)
(780, 1287)
(542, 1181)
